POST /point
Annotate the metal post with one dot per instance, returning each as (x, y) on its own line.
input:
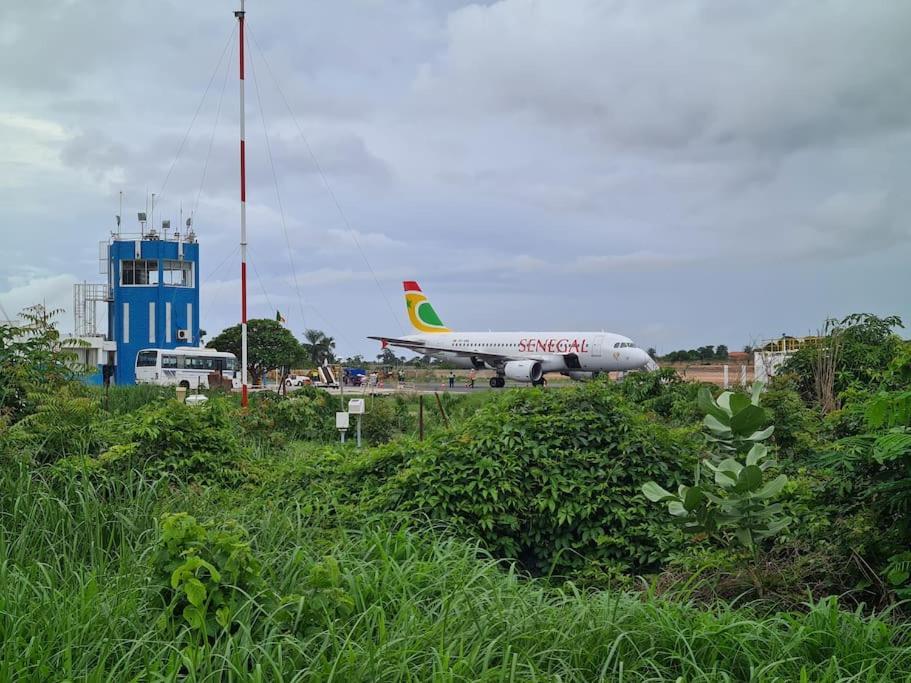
(243, 218)
(726, 383)
(359, 431)
(421, 417)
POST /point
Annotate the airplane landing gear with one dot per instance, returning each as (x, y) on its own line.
(497, 382)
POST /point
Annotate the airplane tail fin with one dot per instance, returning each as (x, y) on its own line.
(421, 313)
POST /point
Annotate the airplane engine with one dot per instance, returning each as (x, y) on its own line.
(523, 370)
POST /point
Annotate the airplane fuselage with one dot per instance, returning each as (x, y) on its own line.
(556, 351)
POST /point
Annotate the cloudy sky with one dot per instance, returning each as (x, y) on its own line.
(686, 173)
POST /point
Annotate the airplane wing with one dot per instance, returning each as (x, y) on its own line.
(493, 358)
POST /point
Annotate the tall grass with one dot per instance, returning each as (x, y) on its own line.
(77, 603)
(119, 400)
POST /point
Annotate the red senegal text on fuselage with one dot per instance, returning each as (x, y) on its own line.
(552, 345)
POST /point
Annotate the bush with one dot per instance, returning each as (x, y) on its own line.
(205, 574)
(385, 417)
(664, 393)
(63, 424)
(196, 444)
(548, 478)
(309, 415)
(796, 426)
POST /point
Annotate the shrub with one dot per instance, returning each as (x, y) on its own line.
(196, 444)
(309, 415)
(865, 345)
(63, 424)
(736, 502)
(665, 393)
(548, 478)
(385, 417)
(205, 574)
(32, 358)
(796, 426)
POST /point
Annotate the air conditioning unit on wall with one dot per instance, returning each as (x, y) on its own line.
(183, 335)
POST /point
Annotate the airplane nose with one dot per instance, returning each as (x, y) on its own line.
(641, 358)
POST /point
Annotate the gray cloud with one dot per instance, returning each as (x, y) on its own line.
(557, 163)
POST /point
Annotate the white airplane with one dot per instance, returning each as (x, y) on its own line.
(519, 356)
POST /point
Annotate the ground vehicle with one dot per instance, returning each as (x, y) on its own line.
(354, 376)
(297, 380)
(186, 366)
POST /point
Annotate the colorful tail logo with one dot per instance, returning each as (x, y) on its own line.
(420, 312)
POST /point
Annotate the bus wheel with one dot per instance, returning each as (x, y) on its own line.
(185, 384)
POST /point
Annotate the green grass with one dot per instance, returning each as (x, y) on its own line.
(77, 604)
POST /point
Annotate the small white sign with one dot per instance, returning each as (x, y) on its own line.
(341, 420)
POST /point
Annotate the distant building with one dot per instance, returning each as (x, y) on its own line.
(772, 354)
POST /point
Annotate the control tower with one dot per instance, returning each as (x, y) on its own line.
(152, 297)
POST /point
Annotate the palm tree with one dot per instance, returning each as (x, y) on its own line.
(319, 346)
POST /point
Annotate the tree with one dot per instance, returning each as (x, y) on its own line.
(652, 352)
(387, 357)
(269, 346)
(33, 355)
(318, 346)
(721, 352)
(851, 352)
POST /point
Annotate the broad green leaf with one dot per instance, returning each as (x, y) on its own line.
(693, 498)
(724, 402)
(772, 488)
(194, 617)
(716, 425)
(750, 478)
(757, 453)
(223, 616)
(675, 507)
(196, 591)
(749, 420)
(739, 402)
(708, 406)
(655, 493)
(762, 435)
(756, 393)
(745, 537)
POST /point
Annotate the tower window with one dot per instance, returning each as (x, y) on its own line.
(139, 272)
(177, 273)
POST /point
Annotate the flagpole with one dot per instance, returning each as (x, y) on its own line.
(243, 218)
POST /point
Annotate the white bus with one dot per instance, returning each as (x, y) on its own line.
(185, 366)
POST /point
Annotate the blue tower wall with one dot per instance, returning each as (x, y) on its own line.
(149, 314)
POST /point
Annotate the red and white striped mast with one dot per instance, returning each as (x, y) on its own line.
(243, 219)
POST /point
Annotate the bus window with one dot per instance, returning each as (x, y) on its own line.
(147, 359)
(168, 361)
(200, 362)
(230, 364)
